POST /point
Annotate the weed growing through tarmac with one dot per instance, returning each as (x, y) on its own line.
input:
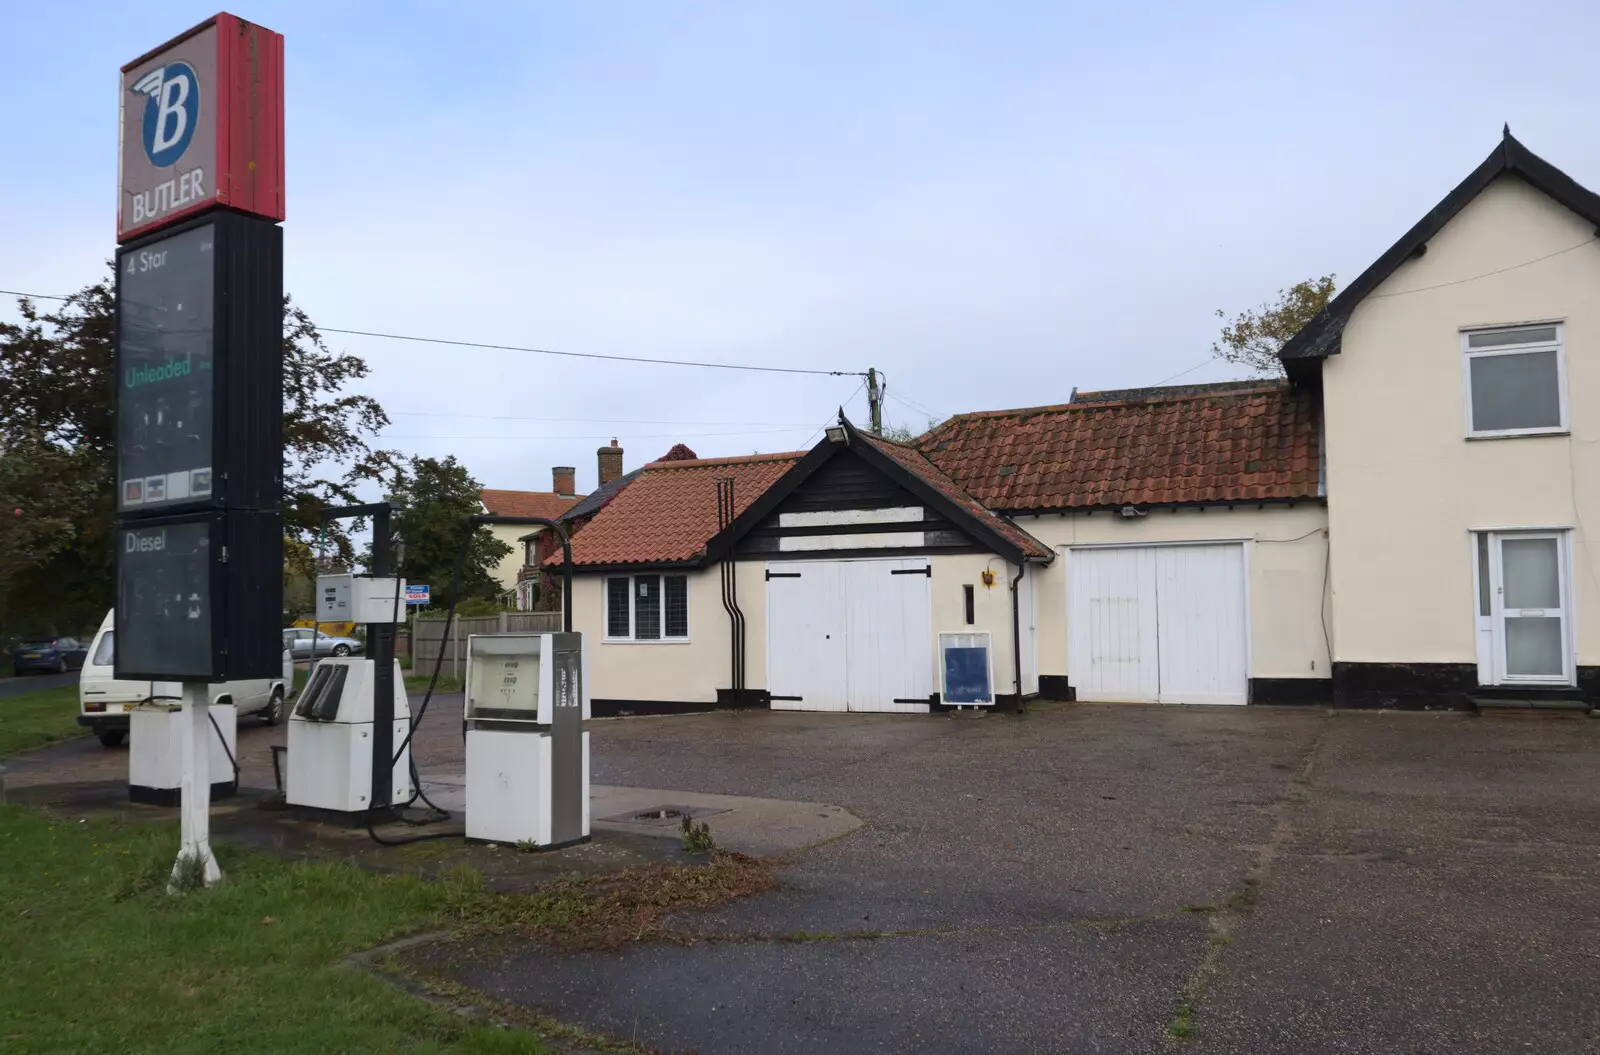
(605, 912)
(697, 837)
(1182, 1025)
(527, 846)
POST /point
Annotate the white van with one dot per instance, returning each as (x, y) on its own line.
(104, 702)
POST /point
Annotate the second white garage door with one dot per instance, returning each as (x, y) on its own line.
(1158, 623)
(850, 635)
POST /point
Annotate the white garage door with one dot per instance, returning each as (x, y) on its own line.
(852, 635)
(1158, 623)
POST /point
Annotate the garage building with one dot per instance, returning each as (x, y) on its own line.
(853, 576)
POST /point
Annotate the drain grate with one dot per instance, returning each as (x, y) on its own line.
(664, 815)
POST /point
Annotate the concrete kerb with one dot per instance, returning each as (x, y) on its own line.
(760, 827)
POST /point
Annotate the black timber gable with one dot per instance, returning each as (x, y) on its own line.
(846, 482)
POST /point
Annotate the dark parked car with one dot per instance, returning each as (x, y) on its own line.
(48, 654)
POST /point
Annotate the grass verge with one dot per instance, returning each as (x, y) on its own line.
(34, 719)
(102, 959)
(606, 912)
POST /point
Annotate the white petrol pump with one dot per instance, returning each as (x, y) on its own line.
(527, 749)
(348, 753)
(156, 734)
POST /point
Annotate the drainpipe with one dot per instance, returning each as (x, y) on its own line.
(729, 572)
(1016, 630)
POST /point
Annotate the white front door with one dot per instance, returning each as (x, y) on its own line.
(1159, 623)
(850, 635)
(1528, 609)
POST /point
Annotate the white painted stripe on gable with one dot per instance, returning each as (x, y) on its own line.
(892, 515)
(877, 540)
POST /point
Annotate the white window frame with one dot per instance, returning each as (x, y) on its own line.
(1469, 353)
(633, 605)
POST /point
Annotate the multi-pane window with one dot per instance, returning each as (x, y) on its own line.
(647, 608)
(618, 621)
(1515, 381)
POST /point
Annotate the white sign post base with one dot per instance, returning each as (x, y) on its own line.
(196, 786)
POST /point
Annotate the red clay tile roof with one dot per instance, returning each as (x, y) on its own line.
(526, 503)
(678, 453)
(927, 472)
(669, 512)
(1246, 443)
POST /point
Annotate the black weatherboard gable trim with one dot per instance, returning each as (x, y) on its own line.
(954, 511)
(741, 525)
(1321, 336)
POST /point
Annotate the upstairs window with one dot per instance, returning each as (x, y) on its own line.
(1516, 381)
(647, 608)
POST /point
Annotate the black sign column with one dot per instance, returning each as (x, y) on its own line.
(199, 359)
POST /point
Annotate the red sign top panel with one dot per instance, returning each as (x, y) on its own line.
(202, 125)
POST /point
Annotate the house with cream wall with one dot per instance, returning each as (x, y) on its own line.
(1398, 523)
(1460, 383)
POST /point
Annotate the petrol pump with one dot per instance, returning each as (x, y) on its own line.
(350, 730)
(527, 749)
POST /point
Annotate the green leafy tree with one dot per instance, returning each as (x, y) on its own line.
(56, 368)
(42, 489)
(1253, 338)
(435, 498)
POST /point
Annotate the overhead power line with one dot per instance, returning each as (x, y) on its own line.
(587, 421)
(538, 351)
(591, 355)
(1204, 362)
(498, 437)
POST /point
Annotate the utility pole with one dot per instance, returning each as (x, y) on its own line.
(875, 399)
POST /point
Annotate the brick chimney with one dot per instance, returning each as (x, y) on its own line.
(610, 463)
(565, 480)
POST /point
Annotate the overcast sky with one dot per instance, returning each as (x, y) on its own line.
(990, 202)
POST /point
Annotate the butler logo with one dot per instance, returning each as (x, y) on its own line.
(171, 111)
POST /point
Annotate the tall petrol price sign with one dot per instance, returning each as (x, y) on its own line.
(199, 376)
(199, 358)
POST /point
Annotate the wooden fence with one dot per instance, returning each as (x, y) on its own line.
(428, 640)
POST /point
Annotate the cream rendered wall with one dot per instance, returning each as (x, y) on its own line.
(686, 672)
(1286, 578)
(991, 607)
(505, 573)
(1405, 487)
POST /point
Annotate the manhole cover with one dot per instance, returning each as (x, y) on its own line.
(664, 816)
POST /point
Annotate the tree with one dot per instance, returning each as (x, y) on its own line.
(41, 490)
(1253, 338)
(903, 433)
(56, 370)
(435, 498)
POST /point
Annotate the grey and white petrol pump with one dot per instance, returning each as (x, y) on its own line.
(527, 749)
(341, 737)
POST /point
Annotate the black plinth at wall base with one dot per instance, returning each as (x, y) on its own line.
(1056, 687)
(629, 708)
(1405, 686)
(171, 797)
(1441, 686)
(743, 698)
